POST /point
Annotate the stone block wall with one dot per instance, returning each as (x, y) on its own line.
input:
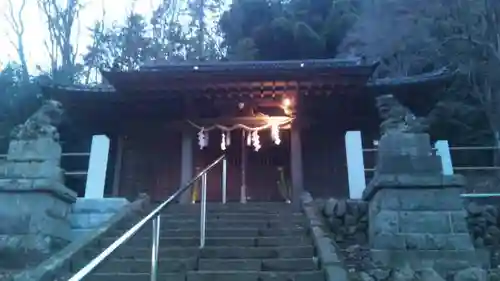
(405, 219)
(33, 226)
(34, 203)
(348, 220)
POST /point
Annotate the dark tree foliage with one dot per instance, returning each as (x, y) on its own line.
(283, 30)
(18, 99)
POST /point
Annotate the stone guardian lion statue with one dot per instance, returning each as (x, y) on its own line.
(398, 118)
(42, 124)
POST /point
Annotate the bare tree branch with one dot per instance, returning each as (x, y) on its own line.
(60, 24)
(16, 24)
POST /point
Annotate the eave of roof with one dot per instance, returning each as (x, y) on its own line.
(437, 76)
(230, 66)
(74, 92)
(168, 76)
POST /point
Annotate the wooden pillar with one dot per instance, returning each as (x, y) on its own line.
(118, 165)
(296, 154)
(186, 164)
(296, 164)
(243, 189)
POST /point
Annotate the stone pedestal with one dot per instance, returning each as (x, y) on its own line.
(88, 214)
(416, 213)
(34, 203)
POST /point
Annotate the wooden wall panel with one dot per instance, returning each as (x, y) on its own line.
(325, 169)
(151, 164)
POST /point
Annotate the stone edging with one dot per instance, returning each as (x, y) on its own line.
(50, 269)
(325, 246)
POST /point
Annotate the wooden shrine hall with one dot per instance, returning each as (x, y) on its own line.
(280, 124)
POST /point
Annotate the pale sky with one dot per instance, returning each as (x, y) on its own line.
(36, 30)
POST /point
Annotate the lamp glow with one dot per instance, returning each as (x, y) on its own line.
(287, 102)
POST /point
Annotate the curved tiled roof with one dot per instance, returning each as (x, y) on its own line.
(210, 70)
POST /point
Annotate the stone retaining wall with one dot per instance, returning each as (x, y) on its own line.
(483, 221)
(347, 219)
(59, 265)
(484, 224)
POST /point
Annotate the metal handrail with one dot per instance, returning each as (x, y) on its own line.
(155, 215)
(480, 195)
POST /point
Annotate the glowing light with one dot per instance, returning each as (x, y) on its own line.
(249, 139)
(275, 134)
(287, 102)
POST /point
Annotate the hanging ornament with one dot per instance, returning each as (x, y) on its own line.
(256, 140)
(228, 138)
(249, 138)
(223, 142)
(275, 134)
(202, 138)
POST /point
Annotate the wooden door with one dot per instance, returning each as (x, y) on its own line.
(263, 168)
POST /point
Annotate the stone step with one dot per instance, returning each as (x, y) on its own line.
(174, 224)
(191, 264)
(279, 265)
(211, 252)
(230, 208)
(144, 265)
(213, 276)
(136, 277)
(219, 232)
(231, 219)
(257, 253)
(219, 241)
(254, 276)
(232, 216)
(232, 205)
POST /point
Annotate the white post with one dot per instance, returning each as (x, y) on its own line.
(98, 163)
(355, 164)
(443, 150)
(224, 181)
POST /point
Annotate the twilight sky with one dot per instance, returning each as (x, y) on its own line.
(36, 29)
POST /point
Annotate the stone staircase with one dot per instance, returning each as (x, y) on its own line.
(245, 242)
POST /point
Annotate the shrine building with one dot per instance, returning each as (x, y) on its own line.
(281, 125)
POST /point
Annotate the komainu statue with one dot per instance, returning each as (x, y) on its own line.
(398, 118)
(42, 124)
